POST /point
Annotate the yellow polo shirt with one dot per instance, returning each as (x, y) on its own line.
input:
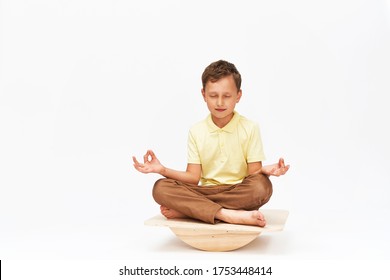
(224, 152)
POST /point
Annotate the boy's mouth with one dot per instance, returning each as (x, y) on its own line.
(220, 110)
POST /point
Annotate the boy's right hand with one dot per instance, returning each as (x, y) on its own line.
(151, 164)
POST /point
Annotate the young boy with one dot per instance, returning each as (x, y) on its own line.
(225, 154)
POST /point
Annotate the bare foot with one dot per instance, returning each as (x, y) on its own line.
(242, 217)
(171, 213)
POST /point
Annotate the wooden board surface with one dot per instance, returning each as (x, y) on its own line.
(275, 218)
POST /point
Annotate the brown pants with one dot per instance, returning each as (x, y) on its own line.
(203, 202)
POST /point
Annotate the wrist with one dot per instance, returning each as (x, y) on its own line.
(162, 171)
(264, 172)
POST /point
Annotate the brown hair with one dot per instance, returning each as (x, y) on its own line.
(220, 69)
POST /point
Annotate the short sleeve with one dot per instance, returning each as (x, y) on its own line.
(192, 150)
(255, 150)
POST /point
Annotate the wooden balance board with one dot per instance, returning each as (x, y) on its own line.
(221, 236)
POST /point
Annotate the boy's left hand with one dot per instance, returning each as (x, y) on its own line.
(276, 169)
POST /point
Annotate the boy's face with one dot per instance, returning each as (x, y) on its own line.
(221, 98)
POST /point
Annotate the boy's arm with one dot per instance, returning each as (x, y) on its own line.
(275, 169)
(191, 175)
(152, 165)
(254, 167)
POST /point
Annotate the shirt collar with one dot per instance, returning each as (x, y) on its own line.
(230, 127)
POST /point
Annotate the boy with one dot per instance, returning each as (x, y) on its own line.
(225, 154)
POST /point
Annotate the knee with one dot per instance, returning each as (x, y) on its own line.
(262, 189)
(159, 190)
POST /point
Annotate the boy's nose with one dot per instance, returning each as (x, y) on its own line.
(219, 101)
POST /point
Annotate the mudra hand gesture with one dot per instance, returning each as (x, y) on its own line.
(276, 169)
(151, 163)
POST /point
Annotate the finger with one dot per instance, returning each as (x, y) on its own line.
(139, 166)
(135, 161)
(136, 166)
(146, 157)
(284, 170)
(152, 154)
(281, 163)
(278, 172)
(142, 169)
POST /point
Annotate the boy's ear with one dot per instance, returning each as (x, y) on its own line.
(239, 94)
(203, 94)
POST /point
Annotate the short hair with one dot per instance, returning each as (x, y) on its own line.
(220, 69)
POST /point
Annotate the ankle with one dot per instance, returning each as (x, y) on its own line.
(222, 214)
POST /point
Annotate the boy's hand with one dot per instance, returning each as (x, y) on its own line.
(276, 169)
(151, 163)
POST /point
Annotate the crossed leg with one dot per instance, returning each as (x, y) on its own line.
(226, 203)
(242, 217)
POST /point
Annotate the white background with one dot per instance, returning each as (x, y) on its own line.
(84, 85)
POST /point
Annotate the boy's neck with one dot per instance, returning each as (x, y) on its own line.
(222, 122)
